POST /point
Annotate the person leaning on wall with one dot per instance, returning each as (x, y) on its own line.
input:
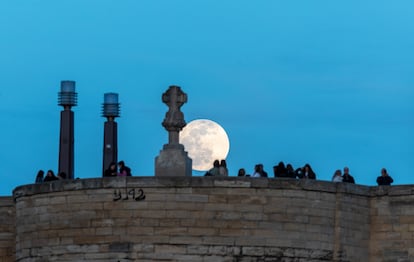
(39, 176)
(223, 171)
(346, 177)
(215, 170)
(384, 179)
(123, 169)
(111, 171)
(50, 176)
(337, 176)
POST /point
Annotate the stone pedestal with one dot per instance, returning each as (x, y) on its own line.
(173, 161)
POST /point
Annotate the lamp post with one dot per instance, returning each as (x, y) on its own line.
(67, 97)
(110, 110)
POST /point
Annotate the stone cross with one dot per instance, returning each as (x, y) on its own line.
(174, 121)
(173, 160)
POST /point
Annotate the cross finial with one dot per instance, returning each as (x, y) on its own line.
(174, 121)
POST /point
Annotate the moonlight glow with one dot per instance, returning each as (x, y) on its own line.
(205, 141)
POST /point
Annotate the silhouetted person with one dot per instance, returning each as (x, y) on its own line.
(290, 172)
(307, 172)
(111, 171)
(299, 172)
(262, 171)
(215, 171)
(242, 172)
(280, 170)
(123, 169)
(39, 176)
(384, 179)
(346, 177)
(259, 171)
(62, 175)
(337, 176)
(256, 172)
(50, 176)
(275, 171)
(223, 171)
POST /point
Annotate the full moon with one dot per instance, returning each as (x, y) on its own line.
(205, 141)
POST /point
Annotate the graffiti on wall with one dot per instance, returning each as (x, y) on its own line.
(137, 195)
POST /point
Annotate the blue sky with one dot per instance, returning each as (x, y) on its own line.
(328, 83)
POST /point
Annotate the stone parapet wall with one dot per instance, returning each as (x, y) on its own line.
(7, 229)
(392, 224)
(206, 219)
(192, 219)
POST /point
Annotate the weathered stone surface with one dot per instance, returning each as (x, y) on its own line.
(173, 162)
(7, 229)
(206, 219)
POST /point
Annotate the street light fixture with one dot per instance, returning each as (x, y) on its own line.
(67, 97)
(110, 110)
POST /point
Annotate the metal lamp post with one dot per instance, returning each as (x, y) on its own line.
(67, 97)
(110, 110)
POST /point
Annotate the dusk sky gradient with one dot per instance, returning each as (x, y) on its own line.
(329, 83)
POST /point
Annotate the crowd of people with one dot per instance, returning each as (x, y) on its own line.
(287, 171)
(50, 176)
(281, 171)
(114, 169)
(220, 169)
